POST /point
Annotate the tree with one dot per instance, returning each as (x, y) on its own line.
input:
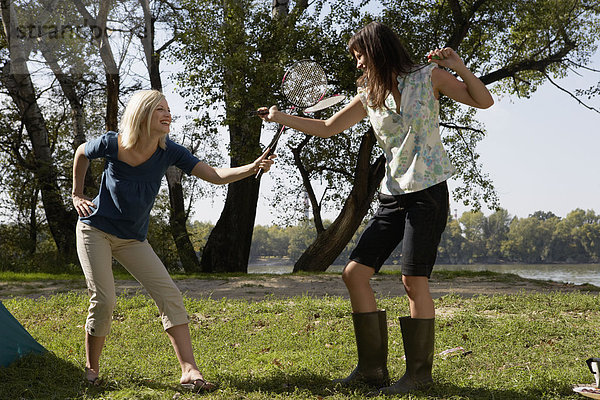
(178, 214)
(564, 245)
(234, 54)
(17, 81)
(56, 110)
(528, 240)
(199, 232)
(473, 226)
(99, 31)
(260, 242)
(300, 238)
(495, 232)
(452, 244)
(588, 236)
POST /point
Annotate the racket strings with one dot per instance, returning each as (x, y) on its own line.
(304, 84)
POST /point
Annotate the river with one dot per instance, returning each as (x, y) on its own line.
(566, 273)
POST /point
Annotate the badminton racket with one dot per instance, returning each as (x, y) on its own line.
(321, 105)
(303, 85)
(272, 146)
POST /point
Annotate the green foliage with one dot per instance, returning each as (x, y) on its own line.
(527, 346)
(199, 232)
(514, 45)
(17, 255)
(234, 54)
(301, 237)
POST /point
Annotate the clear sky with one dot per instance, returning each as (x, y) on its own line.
(542, 153)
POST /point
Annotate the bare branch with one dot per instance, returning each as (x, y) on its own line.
(527, 65)
(316, 205)
(582, 66)
(570, 94)
(324, 168)
(457, 129)
(171, 5)
(451, 125)
(166, 44)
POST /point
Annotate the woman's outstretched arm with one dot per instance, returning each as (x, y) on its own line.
(348, 116)
(221, 176)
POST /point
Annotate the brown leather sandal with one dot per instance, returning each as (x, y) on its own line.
(199, 386)
(91, 381)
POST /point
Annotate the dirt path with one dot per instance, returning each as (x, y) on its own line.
(257, 287)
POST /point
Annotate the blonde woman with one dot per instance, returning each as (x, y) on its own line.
(115, 223)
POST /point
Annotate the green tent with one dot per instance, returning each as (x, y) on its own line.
(15, 341)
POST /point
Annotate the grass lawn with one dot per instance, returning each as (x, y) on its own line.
(527, 346)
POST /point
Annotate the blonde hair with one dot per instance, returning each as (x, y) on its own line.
(137, 114)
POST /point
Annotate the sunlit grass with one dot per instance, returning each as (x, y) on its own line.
(527, 346)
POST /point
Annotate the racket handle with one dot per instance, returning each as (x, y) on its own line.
(260, 170)
(257, 112)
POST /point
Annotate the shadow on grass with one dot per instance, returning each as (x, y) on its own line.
(49, 377)
(319, 385)
(41, 377)
(553, 390)
(280, 383)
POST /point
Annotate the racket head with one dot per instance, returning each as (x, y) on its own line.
(325, 103)
(304, 83)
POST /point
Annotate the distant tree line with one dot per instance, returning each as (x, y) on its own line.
(542, 237)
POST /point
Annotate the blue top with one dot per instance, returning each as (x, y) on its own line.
(127, 193)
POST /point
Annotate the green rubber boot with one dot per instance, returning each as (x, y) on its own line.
(418, 338)
(371, 334)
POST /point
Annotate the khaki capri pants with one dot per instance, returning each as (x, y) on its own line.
(96, 249)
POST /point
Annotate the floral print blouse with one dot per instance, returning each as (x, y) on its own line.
(410, 139)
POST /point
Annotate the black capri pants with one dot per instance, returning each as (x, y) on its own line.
(416, 219)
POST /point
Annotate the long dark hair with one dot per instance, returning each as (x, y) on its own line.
(386, 57)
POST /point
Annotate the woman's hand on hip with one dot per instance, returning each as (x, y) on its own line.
(83, 205)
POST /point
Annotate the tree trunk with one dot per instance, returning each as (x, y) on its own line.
(177, 222)
(228, 246)
(112, 102)
(111, 70)
(60, 221)
(331, 242)
(280, 9)
(33, 224)
(68, 85)
(16, 79)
